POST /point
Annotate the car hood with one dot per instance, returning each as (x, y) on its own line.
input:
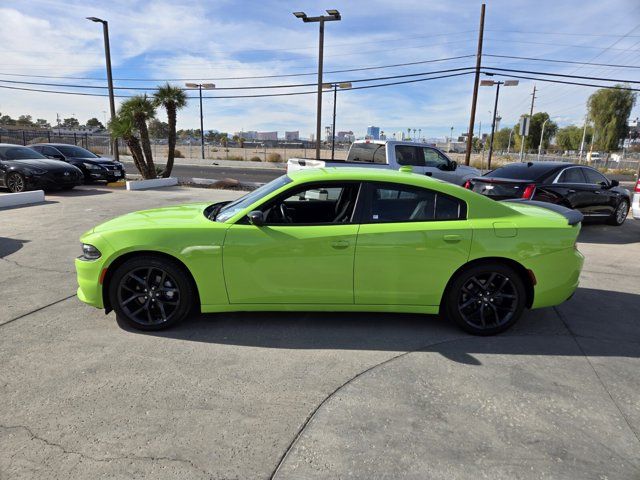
(178, 216)
(94, 161)
(45, 164)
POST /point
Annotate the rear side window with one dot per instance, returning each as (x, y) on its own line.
(389, 203)
(521, 171)
(368, 153)
(594, 177)
(409, 155)
(571, 175)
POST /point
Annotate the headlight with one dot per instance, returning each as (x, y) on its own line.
(89, 252)
(91, 166)
(117, 164)
(34, 171)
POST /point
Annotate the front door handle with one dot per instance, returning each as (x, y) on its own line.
(340, 244)
(452, 238)
(571, 191)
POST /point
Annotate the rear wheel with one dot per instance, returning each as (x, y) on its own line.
(619, 214)
(151, 293)
(486, 299)
(15, 182)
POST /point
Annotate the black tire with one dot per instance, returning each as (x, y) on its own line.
(485, 299)
(619, 215)
(159, 289)
(15, 182)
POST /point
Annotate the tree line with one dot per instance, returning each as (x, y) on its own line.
(27, 121)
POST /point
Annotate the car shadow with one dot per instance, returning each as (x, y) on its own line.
(628, 232)
(78, 192)
(10, 245)
(36, 204)
(545, 331)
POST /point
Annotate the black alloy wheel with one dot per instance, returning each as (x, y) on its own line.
(619, 214)
(150, 293)
(486, 299)
(15, 182)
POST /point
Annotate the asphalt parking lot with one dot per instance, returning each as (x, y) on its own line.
(307, 395)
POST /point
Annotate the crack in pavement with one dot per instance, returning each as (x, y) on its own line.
(313, 413)
(30, 267)
(65, 451)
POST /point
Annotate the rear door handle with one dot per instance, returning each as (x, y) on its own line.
(571, 191)
(452, 238)
(340, 244)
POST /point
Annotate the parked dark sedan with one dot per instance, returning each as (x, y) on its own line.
(575, 186)
(94, 167)
(22, 169)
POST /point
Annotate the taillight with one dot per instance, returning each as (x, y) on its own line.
(467, 184)
(528, 191)
(637, 189)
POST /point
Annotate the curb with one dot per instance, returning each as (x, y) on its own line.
(153, 183)
(21, 198)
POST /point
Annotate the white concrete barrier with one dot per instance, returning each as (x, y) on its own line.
(153, 183)
(22, 198)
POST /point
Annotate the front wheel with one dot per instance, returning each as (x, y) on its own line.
(151, 293)
(485, 299)
(15, 182)
(620, 214)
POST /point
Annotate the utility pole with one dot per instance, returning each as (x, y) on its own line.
(522, 136)
(474, 100)
(584, 135)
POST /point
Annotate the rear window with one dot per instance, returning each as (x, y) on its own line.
(368, 153)
(522, 171)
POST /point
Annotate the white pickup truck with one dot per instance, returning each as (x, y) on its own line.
(394, 154)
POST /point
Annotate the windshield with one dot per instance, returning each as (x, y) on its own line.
(19, 153)
(243, 202)
(521, 171)
(73, 151)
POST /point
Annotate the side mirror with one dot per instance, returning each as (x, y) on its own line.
(256, 218)
(454, 165)
(614, 183)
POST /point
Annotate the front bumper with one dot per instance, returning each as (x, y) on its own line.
(88, 273)
(106, 175)
(54, 180)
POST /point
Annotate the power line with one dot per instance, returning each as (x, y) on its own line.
(301, 74)
(240, 96)
(538, 79)
(562, 33)
(564, 75)
(561, 61)
(554, 44)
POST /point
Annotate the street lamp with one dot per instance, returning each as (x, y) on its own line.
(107, 54)
(541, 137)
(509, 142)
(200, 86)
(450, 138)
(333, 15)
(490, 83)
(335, 86)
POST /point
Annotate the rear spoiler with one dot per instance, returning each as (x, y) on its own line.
(573, 216)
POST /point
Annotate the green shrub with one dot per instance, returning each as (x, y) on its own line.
(255, 158)
(235, 157)
(178, 154)
(274, 157)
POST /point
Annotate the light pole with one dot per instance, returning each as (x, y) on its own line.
(200, 86)
(509, 143)
(541, 137)
(335, 86)
(107, 54)
(490, 83)
(450, 138)
(333, 15)
(584, 134)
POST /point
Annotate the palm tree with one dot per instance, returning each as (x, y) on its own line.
(121, 126)
(140, 109)
(172, 99)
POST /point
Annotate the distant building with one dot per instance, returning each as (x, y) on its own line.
(345, 136)
(250, 135)
(292, 136)
(373, 133)
(267, 136)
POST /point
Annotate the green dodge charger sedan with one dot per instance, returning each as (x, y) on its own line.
(336, 239)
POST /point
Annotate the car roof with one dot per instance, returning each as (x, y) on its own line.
(55, 145)
(356, 173)
(13, 145)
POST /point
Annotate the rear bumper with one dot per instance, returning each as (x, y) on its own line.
(557, 275)
(635, 207)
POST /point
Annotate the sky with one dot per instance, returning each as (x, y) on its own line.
(210, 41)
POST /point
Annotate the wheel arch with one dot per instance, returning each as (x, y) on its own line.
(524, 274)
(138, 253)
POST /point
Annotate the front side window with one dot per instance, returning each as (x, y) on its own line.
(317, 204)
(409, 155)
(390, 203)
(433, 158)
(594, 177)
(247, 200)
(572, 175)
(78, 152)
(52, 152)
